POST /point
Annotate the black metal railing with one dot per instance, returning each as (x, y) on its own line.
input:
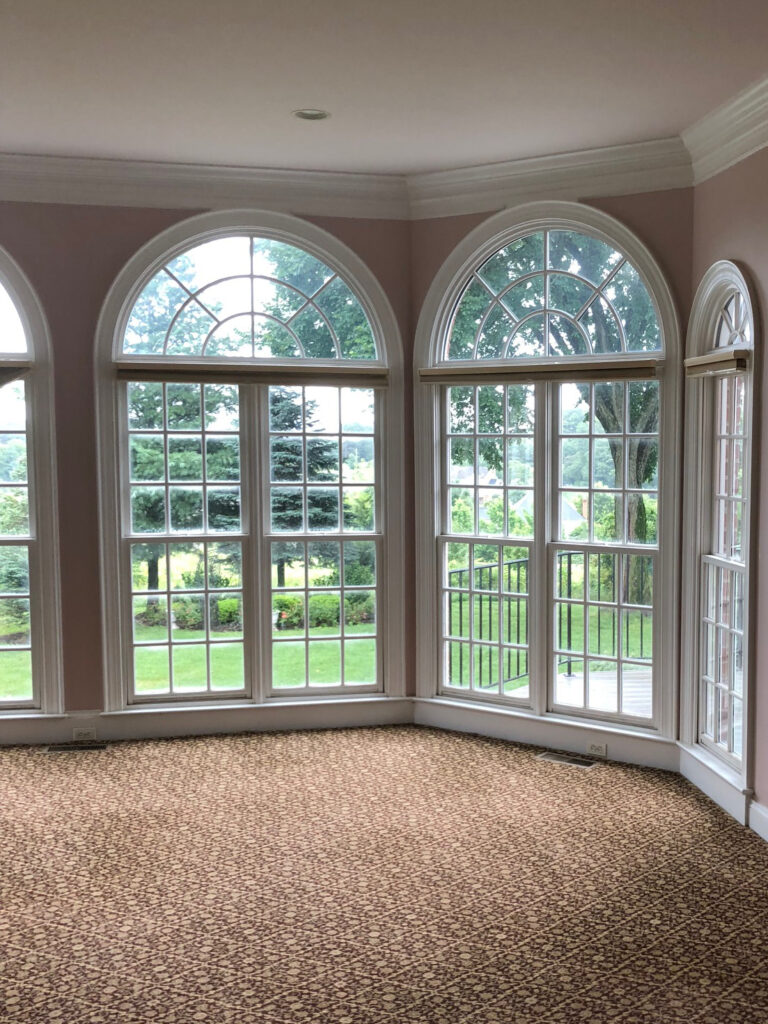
(570, 624)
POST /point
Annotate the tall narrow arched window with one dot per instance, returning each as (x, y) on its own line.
(29, 642)
(718, 510)
(250, 383)
(546, 381)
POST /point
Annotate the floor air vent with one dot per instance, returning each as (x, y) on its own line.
(571, 759)
(73, 748)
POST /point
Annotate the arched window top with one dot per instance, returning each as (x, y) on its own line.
(245, 296)
(13, 335)
(734, 325)
(722, 318)
(553, 293)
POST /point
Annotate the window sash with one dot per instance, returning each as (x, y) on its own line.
(255, 536)
(545, 550)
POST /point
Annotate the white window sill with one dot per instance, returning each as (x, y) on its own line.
(587, 724)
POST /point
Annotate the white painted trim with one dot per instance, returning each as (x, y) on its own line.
(387, 334)
(715, 780)
(613, 170)
(729, 134)
(610, 171)
(432, 328)
(545, 731)
(719, 140)
(45, 574)
(716, 286)
(207, 720)
(758, 819)
(91, 181)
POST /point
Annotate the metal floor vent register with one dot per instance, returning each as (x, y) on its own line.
(73, 748)
(572, 759)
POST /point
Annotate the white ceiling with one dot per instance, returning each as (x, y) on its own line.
(412, 86)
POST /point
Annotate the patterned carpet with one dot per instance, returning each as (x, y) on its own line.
(370, 876)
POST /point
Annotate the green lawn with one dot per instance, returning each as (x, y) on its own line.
(189, 661)
(603, 625)
(15, 675)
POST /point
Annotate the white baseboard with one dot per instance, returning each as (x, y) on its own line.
(501, 723)
(758, 819)
(161, 723)
(716, 781)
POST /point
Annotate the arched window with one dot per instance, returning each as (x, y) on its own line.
(547, 384)
(250, 389)
(29, 651)
(718, 510)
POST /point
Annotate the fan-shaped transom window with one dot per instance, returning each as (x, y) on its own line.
(555, 293)
(13, 337)
(734, 326)
(247, 297)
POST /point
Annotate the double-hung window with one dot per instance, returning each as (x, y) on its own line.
(250, 388)
(719, 456)
(549, 377)
(29, 647)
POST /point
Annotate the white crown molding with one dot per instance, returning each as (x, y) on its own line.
(730, 133)
(641, 167)
(96, 182)
(724, 137)
(610, 171)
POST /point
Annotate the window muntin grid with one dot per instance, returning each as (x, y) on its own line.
(730, 441)
(722, 657)
(490, 460)
(248, 297)
(724, 573)
(323, 485)
(555, 293)
(603, 632)
(322, 460)
(184, 458)
(183, 468)
(734, 326)
(324, 614)
(608, 459)
(485, 615)
(187, 618)
(16, 681)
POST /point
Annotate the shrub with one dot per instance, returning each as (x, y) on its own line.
(359, 606)
(324, 610)
(289, 611)
(153, 614)
(227, 612)
(188, 614)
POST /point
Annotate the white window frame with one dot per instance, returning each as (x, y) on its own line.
(384, 373)
(431, 374)
(705, 363)
(35, 367)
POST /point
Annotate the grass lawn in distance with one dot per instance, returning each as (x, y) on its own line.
(15, 675)
(152, 669)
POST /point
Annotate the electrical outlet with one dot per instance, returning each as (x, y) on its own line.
(83, 735)
(597, 749)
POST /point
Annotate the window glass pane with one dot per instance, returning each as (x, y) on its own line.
(485, 603)
(322, 588)
(13, 337)
(243, 295)
(592, 301)
(14, 489)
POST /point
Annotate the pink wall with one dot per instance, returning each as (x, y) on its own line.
(72, 255)
(731, 222)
